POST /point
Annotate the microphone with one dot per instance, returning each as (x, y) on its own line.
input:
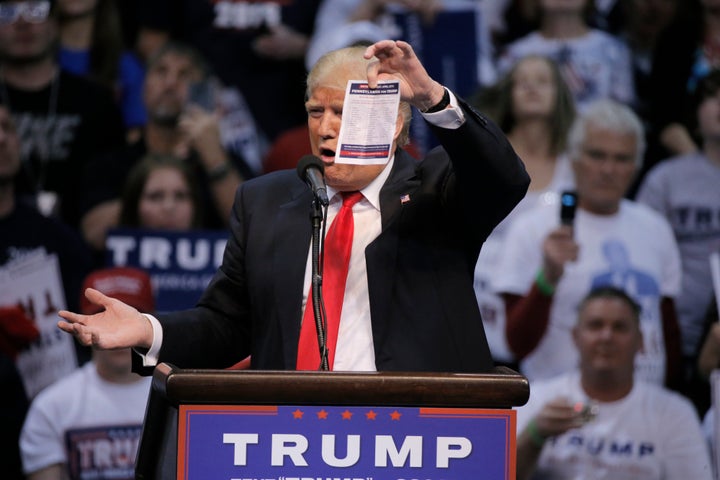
(311, 170)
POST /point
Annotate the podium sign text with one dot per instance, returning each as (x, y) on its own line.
(346, 442)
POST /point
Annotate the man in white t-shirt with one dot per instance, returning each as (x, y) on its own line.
(685, 189)
(547, 267)
(88, 424)
(600, 421)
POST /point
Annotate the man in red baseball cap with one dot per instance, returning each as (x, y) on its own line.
(94, 404)
(130, 285)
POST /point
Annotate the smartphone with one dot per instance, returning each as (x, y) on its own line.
(587, 411)
(568, 205)
(202, 94)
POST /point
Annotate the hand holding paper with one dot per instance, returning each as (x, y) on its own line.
(396, 60)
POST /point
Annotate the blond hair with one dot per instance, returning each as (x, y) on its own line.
(335, 68)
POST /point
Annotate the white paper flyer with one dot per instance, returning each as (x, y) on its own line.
(368, 123)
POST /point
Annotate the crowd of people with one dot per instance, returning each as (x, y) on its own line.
(178, 116)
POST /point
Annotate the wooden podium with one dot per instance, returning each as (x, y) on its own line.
(177, 393)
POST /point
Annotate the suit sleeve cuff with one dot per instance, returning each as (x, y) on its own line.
(450, 118)
(150, 358)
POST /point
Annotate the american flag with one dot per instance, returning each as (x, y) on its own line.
(405, 199)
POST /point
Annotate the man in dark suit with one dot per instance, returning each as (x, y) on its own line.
(409, 303)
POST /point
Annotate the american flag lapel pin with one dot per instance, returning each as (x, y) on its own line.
(404, 199)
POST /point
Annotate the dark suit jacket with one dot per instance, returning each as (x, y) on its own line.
(420, 268)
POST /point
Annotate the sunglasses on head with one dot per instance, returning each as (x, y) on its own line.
(31, 12)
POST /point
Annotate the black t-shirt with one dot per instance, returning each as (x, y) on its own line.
(224, 32)
(60, 127)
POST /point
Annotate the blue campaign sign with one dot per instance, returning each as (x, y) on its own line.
(180, 264)
(356, 443)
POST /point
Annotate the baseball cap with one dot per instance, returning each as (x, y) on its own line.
(127, 284)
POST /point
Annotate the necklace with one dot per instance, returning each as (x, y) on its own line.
(36, 173)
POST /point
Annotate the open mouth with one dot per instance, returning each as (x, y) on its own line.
(326, 152)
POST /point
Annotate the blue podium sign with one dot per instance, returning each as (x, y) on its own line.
(344, 442)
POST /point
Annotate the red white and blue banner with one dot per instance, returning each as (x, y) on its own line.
(339, 442)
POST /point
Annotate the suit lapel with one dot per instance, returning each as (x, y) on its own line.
(292, 238)
(381, 254)
(402, 181)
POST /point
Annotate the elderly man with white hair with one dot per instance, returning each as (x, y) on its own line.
(547, 267)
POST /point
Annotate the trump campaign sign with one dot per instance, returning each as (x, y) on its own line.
(180, 264)
(344, 442)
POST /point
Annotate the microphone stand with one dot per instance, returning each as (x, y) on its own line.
(316, 217)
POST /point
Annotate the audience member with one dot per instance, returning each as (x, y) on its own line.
(709, 362)
(88, 424)
(600, 420)
(595, 64)
(174, 127)
(519, 18)
(23, 229)
(709, 358)
(129, 15)
(341, 22)
(408, 303)
(161, 193)
(685, 52)
(644, 21)
(23, 233)
(610, 15)
(685, 190)
(62, 119)
(534, 107)
(13, 408)
(547, 267)
(91, 44)
(338, 21)
(256, 47)
(495, 19)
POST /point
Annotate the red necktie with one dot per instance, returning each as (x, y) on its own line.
(338, 245)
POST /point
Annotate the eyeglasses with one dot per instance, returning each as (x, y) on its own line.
(31, 12)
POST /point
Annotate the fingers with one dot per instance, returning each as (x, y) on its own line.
(388, 48)
(557, 417)
(406, 49)
(379, 49)
(79, 331)
(71, 317)
(66, 326)
(192, 110)
(98, 298)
